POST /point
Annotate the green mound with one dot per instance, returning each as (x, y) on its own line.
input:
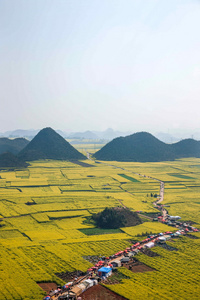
(144, 147)
(116, 217)
(14, 146)
(9, 160)
(48, 144)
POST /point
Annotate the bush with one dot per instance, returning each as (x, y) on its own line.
(110, 218)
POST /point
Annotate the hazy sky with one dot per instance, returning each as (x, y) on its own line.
(92, 64)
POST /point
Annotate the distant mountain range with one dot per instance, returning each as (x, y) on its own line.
(144, 147)
(48, 144)
(138, 147)
(20, 133)
(106, 135)
(83, 135)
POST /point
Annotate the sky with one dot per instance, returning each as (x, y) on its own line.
(78, 65)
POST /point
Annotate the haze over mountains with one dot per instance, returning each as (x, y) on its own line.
(141, 147)
(106, 135)
(144, 147)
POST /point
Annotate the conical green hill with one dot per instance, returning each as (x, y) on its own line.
(48, 144)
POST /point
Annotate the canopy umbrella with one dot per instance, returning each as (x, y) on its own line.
(69, 283)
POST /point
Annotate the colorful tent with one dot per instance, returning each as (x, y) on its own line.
(104, 271)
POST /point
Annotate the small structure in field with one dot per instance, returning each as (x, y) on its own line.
(161, 239)
(149, 245)
(105, 271)
(88, 283)
(125, 260)
(167, 237)
(116, 263)
(174, 217)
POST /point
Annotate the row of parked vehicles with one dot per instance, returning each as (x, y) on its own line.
(124, 255)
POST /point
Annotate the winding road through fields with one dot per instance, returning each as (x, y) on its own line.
(162, 186)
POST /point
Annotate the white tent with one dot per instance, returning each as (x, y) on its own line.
(150, 245)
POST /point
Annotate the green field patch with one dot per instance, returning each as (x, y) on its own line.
(99, 231)
(176, 188)
(129, 178)
(66, 214)
(180, 176)
(10, 234)
(193, 186)
(195, 166)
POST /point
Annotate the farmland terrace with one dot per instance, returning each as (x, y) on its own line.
(36, 242)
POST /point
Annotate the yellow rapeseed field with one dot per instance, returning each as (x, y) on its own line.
(44, 207)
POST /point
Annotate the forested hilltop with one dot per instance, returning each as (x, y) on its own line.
(12, 145)
(144, 147)
(48, 144)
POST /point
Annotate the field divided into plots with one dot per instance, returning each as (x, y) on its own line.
(43, 210)
(176, 274)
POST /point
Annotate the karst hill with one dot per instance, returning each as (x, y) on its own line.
(116, 217)
(12, 145)
(48, 144)
(144, 147)
(9, 160)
